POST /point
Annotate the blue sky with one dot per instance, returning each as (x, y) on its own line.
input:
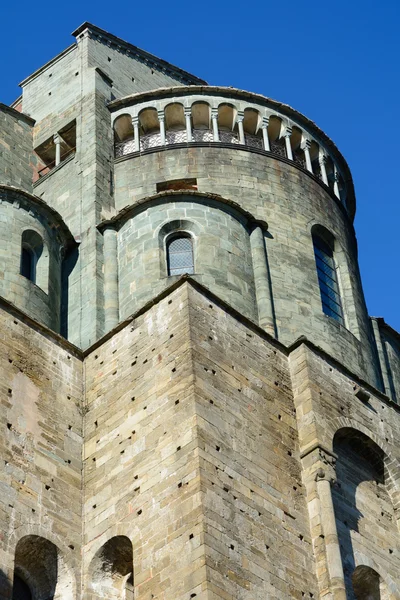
(337, 62)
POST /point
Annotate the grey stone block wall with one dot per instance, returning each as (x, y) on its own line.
(291, 202)
(222, 256)
(16, 152)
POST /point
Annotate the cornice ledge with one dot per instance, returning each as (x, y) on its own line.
(151, 58)
(123, 215)
(304, 341)
(15, 113)
(48, 333)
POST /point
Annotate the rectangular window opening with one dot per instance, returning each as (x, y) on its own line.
(177, 184)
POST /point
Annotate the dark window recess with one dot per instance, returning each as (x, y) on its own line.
(28, 263)
(46, 152)
(327, 279)
(177, 184)
(180, 255)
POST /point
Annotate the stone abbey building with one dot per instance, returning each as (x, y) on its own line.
(194, 400)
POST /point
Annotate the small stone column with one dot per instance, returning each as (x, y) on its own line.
(305, 146)
(287, 134)
(135, 123)
(111, 299)
(324, 478)
(161, 118)
(382, 357)
(336, 182)
(188, 119)
(264, 128)
(322, 160)
(214, 120)
(57, 142)
(319, 475)
(240, 119)
(262, 280)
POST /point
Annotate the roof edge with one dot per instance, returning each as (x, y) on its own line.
(15, 113)
(127, 211)
(143, 53)
(48, 64)
(70, 241)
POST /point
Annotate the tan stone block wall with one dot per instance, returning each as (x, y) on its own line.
(40, 445)
(191, 452)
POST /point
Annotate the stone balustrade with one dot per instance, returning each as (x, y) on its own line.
(195, 119)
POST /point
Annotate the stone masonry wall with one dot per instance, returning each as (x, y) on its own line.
(365, 437)
(16, 151)
(222, 254)
(290, 202)
(40, 447)
(190, 451)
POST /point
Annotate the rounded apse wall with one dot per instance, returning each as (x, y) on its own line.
(292, 202)
(220, 246)
(31, 257)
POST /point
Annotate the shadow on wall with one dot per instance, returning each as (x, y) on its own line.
(5, 586)
(364, 514)
(67, 267)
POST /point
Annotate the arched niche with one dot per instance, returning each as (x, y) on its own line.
(276, 140)
(40, 571)
(252, 128)
(174, 117)
(368, 585)
(123, 128)
(111, 570)
(201, 115)
(364, 511)
(148, 121)
(226, 117)
(35, 259)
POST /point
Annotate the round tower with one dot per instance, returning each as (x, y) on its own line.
(252, 200)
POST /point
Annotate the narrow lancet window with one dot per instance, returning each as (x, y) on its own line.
(180, 255)
(327, 279)
(28, 263)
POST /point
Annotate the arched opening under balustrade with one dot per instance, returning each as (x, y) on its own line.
(175, 123)
(315, 159)
(149, 129)
(111, 570)
(227, 126)
(201, 120)
(296, 139)
(276, 140)
(123, 135)
(252, 128)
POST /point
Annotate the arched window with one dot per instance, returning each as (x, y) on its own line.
(28, 263)
(327, 278)
(34, 263)
(180, 255)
